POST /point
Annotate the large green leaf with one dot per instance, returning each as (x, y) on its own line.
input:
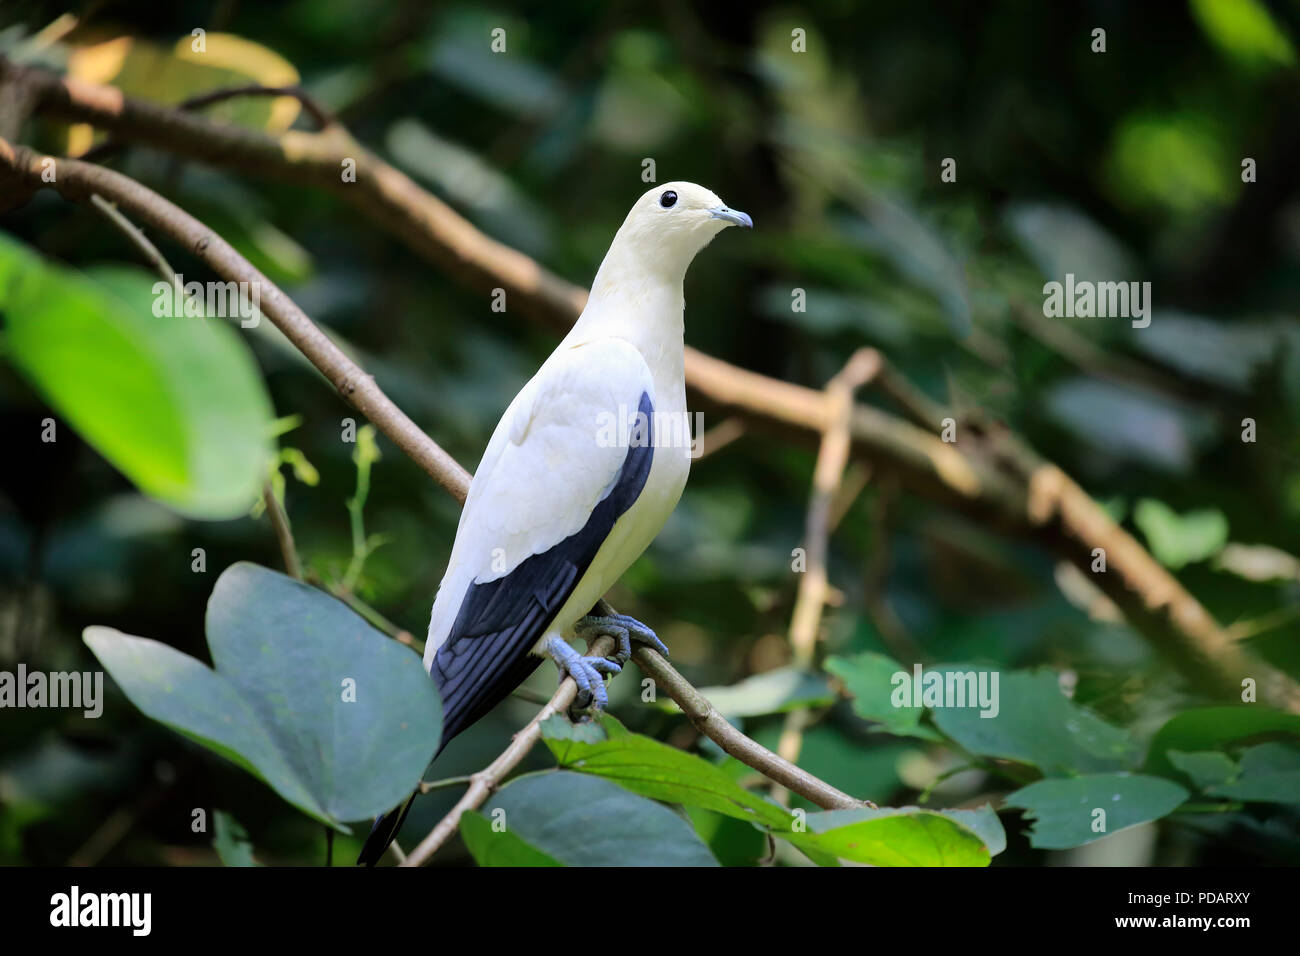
(1037, 724)
(1213, 728)
(1065, 811)
(176, 404)
(661, 772)
(904, 836)
(338, 719)
(580, 820)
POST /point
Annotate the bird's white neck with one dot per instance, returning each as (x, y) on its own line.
(645, 307)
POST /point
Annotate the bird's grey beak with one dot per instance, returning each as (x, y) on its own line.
(733, 216)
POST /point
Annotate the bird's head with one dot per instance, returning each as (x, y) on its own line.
(672, 222)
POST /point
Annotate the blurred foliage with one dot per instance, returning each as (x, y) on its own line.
(1124, 166)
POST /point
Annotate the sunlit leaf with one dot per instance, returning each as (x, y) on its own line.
(177, 404)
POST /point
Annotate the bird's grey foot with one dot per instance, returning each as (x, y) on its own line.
(587, 672)
(626, 630)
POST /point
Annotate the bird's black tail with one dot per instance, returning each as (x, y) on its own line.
(384, 832)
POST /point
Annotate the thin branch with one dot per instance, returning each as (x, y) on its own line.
(322, 117)
(318, 113)
(489, 778)
(714, 726)
(283, 533)
(395, 631)
(719, 437)
(429, 786)
(136, 237)
(832, 458)
(78, 181)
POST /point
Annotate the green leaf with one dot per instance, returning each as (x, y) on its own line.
(772, 692)
(1037, 724)
(499, 849)
(231, 841)
(661, 772)
(1214, 728)
(1065, 811)
(869, 679)
(580, 820)
(1178, 540)
(335, 717)
(1206, 768)
(176, 404)
(904, 836)
(1269, 773)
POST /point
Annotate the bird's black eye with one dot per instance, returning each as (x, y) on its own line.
(668, 199)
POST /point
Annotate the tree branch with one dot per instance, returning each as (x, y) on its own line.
(716, 727)
(283, 533)
(810, 601)
(78, 181)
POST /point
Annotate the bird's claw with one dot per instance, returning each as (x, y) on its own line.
(587, 672)
(625, 630)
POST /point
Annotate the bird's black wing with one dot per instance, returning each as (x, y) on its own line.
(485, 655)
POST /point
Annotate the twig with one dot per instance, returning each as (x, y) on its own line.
(283, 533)
(78, 181)
(136, 236)
(714, 726)
(832, 457)
(322, 116)
(429, 786)
(720, 436)
(395, 631)
(489, 778)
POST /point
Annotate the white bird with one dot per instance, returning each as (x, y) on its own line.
(579, 476)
